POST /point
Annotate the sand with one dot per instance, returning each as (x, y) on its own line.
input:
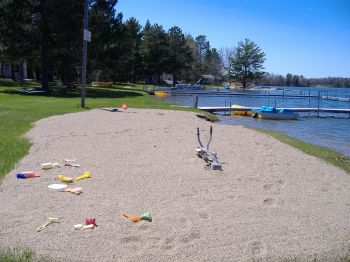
(271, 202)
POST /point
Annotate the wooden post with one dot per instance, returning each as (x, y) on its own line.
(318, 104)
(309, 101)
(195, 101)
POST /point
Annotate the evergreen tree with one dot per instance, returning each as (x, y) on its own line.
(213, 63)
(154, 50)
(103, 24)
(19, 31)
(248, 61)
(288, 79)
(180, 54)
(65, 38)
(133, 38)
(202, 49)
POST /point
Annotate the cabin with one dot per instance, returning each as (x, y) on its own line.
(13, 70)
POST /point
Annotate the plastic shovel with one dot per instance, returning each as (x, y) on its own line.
(86, 174)
(51, 221)
(63, 188)
(28, 174)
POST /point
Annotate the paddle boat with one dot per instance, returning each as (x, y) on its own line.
(161, 94)
(240, 112)
(267, 112)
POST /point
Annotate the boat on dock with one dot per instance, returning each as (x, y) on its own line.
(240, 111)
(272, 113)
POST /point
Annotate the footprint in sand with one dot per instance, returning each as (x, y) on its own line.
(143, 227)
(269, 201)
(275, 187)
(190, 237)
(203, 215)
(255, 248)
(168, 243)
(267, 186)
(130, 239)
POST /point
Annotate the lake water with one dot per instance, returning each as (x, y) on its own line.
(329, 130)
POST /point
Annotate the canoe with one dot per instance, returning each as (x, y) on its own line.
(240, 113)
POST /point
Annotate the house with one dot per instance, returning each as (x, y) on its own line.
(13, 70)
(162, 79)
(207, 79)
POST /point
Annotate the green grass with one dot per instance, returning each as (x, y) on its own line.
(323, 153)
(18, 112)
(20, 255)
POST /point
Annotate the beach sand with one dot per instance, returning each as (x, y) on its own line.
(270, 202)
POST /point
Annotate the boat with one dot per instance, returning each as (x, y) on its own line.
(240, 112)
(267, 112)
(161, 94)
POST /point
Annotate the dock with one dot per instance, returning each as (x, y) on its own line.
(213, 109)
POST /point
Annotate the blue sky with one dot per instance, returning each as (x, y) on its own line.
(305, 37)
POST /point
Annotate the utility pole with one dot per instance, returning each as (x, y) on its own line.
(86, 38)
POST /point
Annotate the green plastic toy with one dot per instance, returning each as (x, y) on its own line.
(146, 216)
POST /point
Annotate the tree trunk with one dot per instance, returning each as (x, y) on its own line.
(44, 46)
(21, 72)
(174, 79)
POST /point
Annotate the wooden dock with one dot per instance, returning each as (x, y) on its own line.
(213, 109)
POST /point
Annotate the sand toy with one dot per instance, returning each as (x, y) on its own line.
(65, 179)
(63, 188)
(51, 221)
(145, 216)
(72, 164)
(131, 218)
(70, 160)
(209, 156)
(90, 221)
(82, 227)
(86, 174)
(50, 165)
(28, 174)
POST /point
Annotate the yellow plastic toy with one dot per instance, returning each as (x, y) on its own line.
(65, 179)
(86, 174)
(51, 221)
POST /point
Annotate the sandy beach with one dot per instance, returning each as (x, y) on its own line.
(270, 202)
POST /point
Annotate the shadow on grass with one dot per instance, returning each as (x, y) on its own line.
(90, 93)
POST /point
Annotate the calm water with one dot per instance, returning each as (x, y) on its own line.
(332, 131)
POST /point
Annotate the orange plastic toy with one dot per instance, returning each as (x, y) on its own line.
(131, 218)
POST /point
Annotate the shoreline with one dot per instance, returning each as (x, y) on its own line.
(258, 207)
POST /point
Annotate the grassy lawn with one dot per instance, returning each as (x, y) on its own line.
(18, 112)
(20, 255)
(323, 153)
